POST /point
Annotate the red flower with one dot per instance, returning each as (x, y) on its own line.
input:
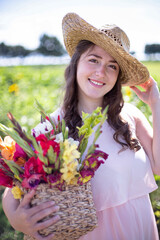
(33, 166)
(45, 144)
(47, 118)
(34, 173)
(5, 180)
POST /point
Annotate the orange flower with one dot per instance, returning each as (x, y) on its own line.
(7, 147)
(21, 161)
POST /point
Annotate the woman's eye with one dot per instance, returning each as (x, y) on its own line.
(113, 67)
(93, 60)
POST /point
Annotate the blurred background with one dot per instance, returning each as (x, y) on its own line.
(33, 59)
(30, 30)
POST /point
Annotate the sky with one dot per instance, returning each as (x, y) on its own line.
(22, 22)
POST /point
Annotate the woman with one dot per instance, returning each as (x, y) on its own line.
(100, 65)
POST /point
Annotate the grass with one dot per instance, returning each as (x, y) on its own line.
(19, 86)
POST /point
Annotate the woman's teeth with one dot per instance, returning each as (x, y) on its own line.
(96, 83)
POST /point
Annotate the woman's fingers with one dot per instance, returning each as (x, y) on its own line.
(27, 199)
(47, 223)
(38, 237)
(44, 213)
(40, 207)
(136, 90)
(147, 84)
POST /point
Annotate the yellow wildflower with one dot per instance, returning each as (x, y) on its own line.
(13, 88)
(17, 192)
(69, 171)
(128, 91)
(85, 179)
(70, 152)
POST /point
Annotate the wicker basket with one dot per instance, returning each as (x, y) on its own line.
(77, 212)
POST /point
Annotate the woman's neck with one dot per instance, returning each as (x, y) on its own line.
(88, 107)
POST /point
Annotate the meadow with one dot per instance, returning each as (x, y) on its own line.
(21, 85)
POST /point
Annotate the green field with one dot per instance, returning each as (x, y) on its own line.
(19, 86)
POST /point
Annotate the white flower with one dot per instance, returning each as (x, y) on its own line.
(72, 141)
(42, 128)
(59, 137)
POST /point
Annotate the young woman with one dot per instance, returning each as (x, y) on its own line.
(100, 65)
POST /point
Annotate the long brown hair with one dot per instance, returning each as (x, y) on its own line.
(113, 99)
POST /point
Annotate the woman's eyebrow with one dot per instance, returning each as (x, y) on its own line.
(97, 56)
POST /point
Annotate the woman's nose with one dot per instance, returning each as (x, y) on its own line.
(100, 71)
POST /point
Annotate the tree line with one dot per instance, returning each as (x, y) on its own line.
(49, 46)
(151, 50)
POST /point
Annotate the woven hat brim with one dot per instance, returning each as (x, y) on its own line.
(76, 29)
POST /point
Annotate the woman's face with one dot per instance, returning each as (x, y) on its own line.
(97, 74)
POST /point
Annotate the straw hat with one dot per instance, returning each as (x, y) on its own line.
(112, 39)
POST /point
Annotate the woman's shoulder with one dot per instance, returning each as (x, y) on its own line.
(130, 110)
(131, 113)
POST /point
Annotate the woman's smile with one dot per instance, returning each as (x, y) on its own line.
(96, 83)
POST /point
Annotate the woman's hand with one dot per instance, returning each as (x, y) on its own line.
(26, 219)
(150, 95)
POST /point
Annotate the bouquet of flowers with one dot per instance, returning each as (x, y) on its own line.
(50, 161)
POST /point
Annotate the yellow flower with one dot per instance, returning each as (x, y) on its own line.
(128, 91)
(69, 172)
(17, 193)
(85, 179)
(13, 88)
(70, 152)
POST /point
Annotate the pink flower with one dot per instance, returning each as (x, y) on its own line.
(54, 178)
(45, 144)
(98, 153)
(85, 173)
(33, 181)
(20, 157)
(85, 176)
(5, 180)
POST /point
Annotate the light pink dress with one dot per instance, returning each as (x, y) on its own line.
(121, 190)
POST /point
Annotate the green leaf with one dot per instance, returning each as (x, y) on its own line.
(14, 168)
(51, 155)
(21, 142)
(48, 170)
(63, 128)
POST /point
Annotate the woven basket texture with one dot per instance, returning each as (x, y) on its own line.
(77, 211)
